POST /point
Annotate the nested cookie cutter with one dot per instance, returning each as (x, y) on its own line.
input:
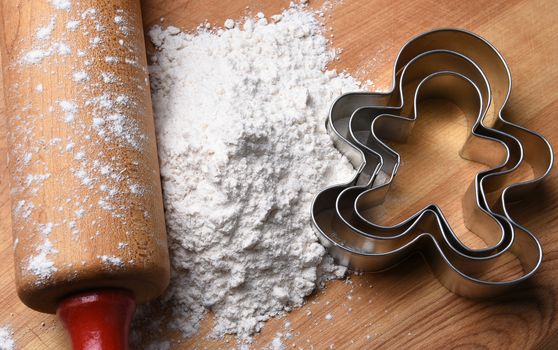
(465, 68)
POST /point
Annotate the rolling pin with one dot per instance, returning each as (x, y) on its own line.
(87, 211)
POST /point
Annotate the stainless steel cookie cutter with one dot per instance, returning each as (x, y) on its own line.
(464, 67)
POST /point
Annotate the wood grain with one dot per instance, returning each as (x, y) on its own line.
(405, 307)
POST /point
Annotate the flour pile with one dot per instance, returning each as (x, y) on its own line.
(243, 149)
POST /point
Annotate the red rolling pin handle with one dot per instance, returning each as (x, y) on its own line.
(98, 320)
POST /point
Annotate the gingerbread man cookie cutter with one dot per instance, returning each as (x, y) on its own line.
(466, 69)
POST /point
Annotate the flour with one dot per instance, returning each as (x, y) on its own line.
(6, 340)
(111, 260)
(80, 76)
(62, 4)
(229, 23)
(45, 32)
(243, 149)
(40, 265)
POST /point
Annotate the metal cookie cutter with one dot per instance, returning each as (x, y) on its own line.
(465, 68)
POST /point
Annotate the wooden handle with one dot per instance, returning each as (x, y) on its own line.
(87, 209)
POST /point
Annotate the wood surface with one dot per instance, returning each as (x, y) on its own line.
(405, 307)
(85, 175)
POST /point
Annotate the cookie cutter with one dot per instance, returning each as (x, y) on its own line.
(467, 69)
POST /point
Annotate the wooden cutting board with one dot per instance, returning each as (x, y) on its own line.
(405, 307)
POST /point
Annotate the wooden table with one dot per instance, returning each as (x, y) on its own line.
(405, 307)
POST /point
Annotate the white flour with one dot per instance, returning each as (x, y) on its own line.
(6, 339)
(240, 117)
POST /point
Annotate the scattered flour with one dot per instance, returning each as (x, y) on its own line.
(240, 117)
(277, 344)
(62, 4)
(40, 265)
(45, 32)
(69, 108)
(80, 76)
(229, 24)
(6, 339)
(72, 25)
(35, 56)
(111, 260)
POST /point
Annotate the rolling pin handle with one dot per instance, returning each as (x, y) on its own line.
(98, 320)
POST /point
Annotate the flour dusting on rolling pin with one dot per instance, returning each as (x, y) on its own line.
(86, 198)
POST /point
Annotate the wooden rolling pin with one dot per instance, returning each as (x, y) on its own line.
(87, 213)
